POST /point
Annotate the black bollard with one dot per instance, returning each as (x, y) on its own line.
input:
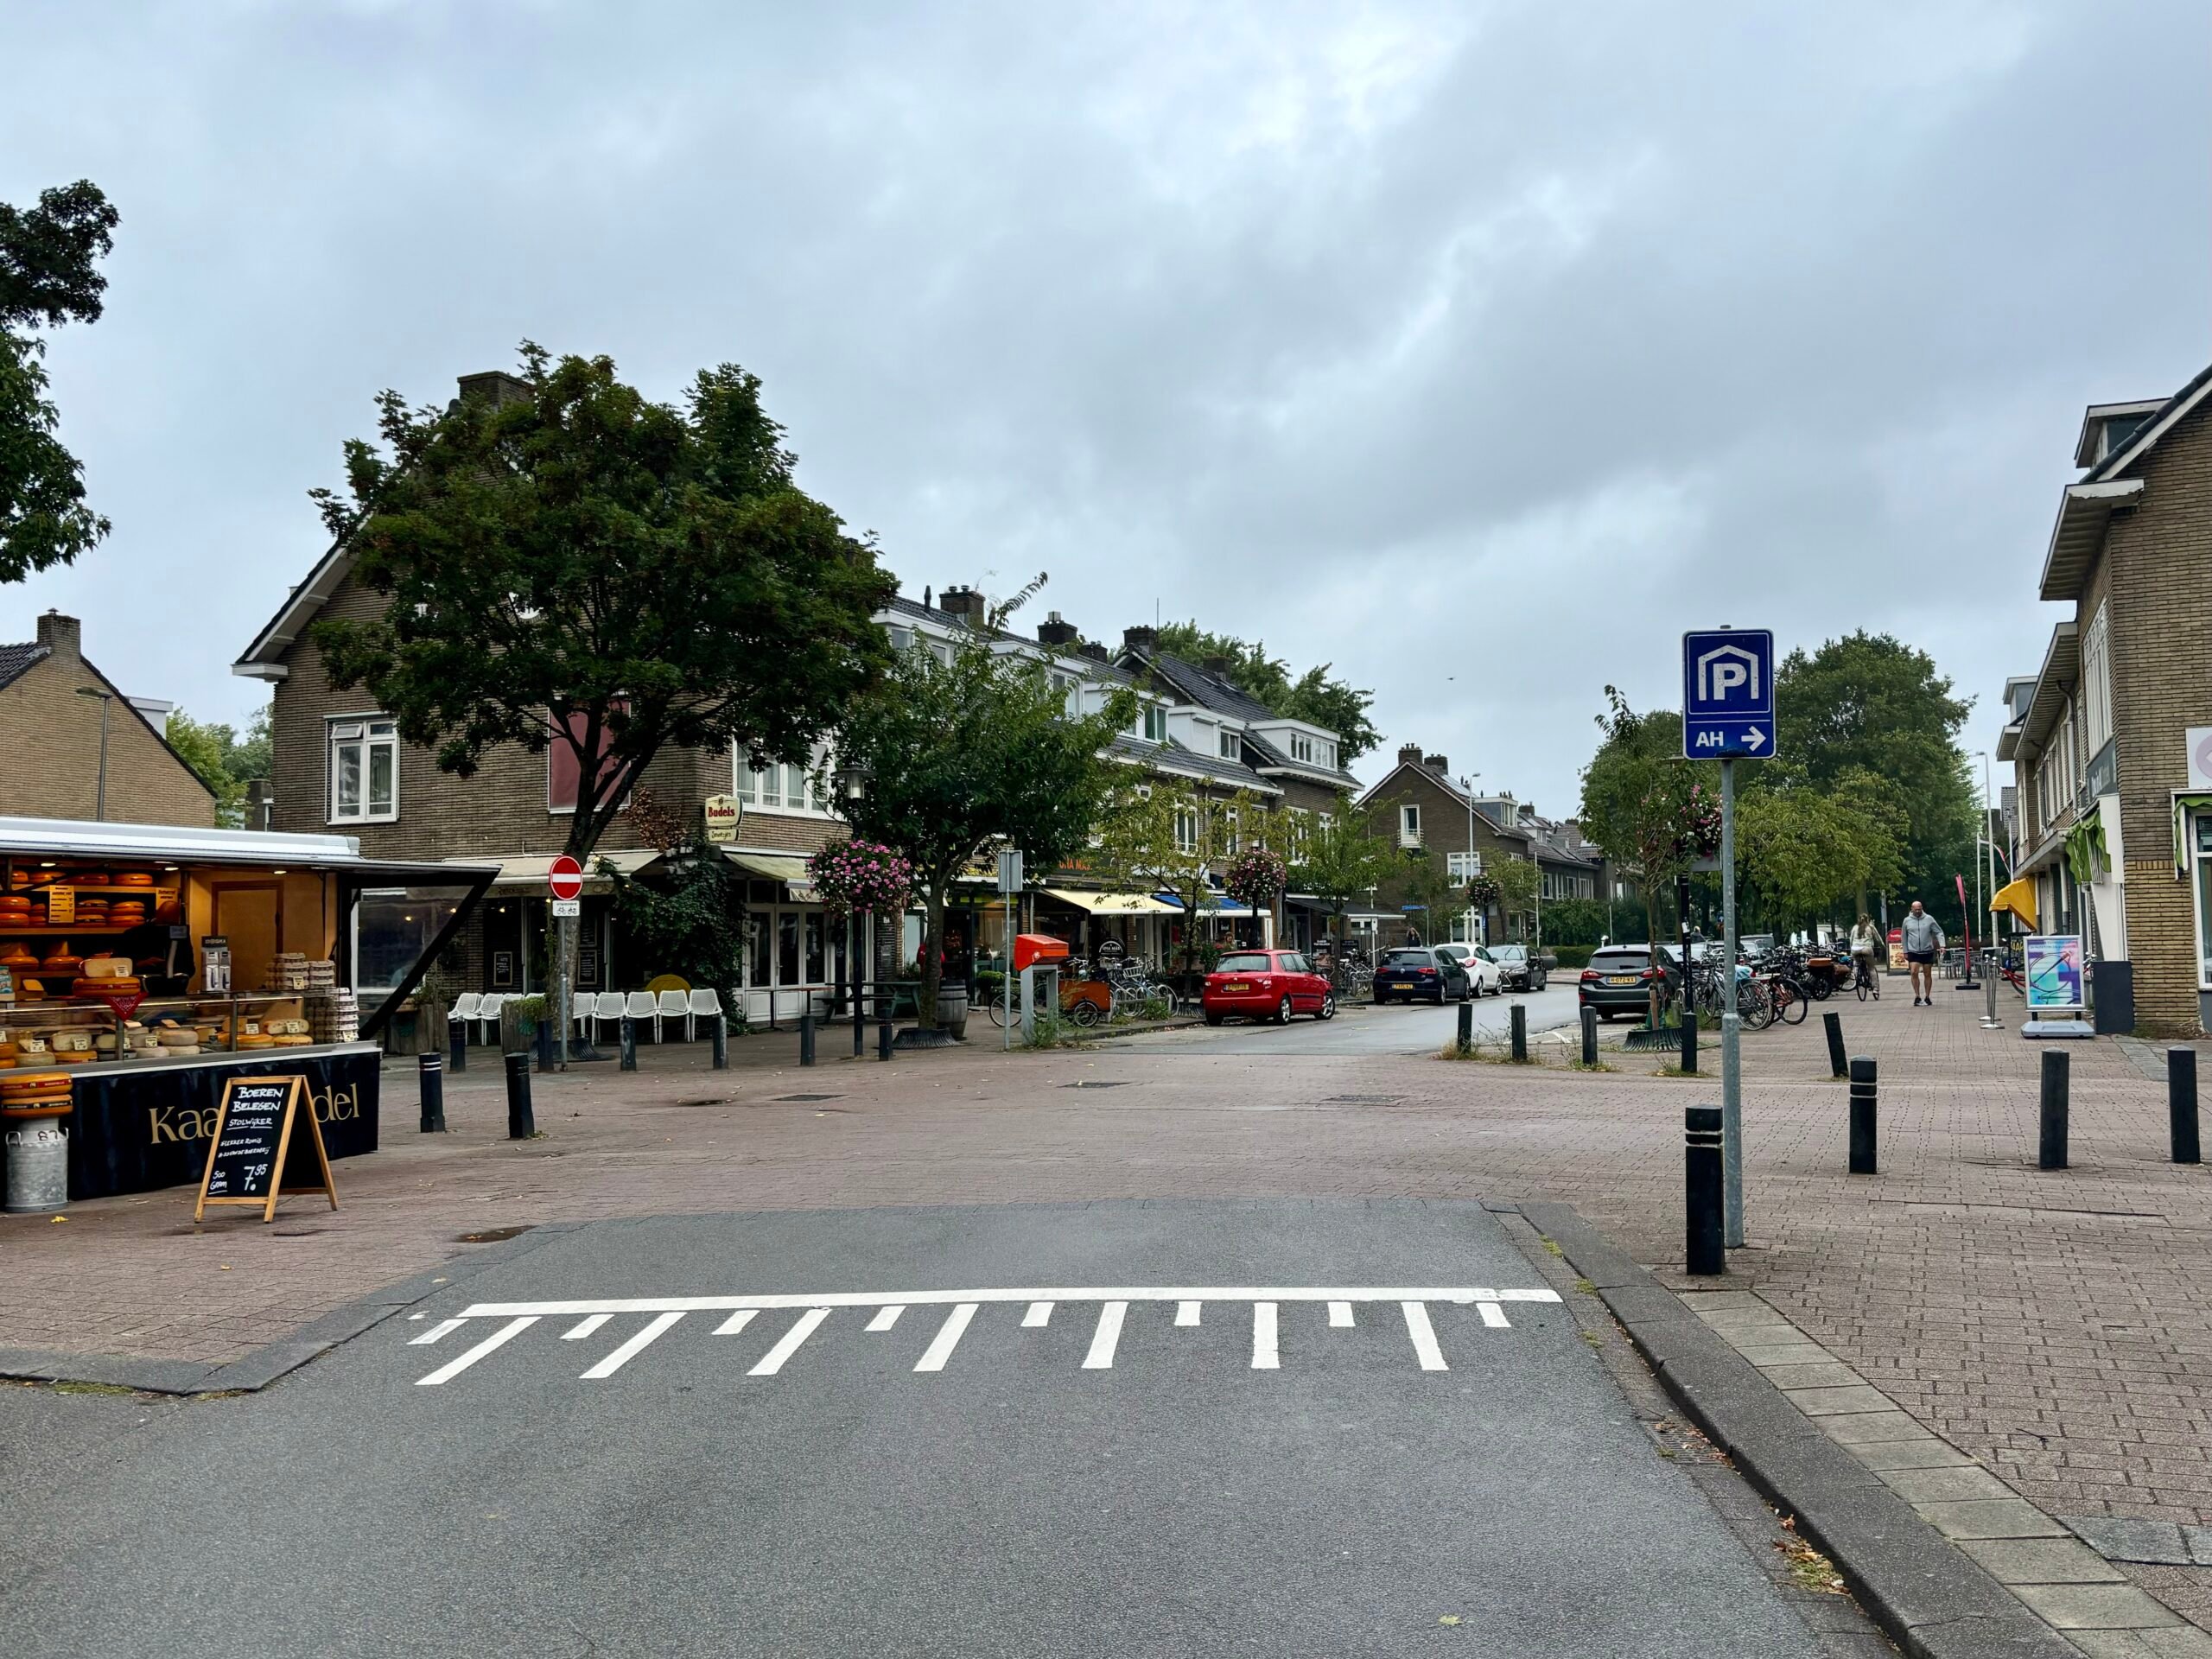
(432, 1069)
(1466, 1029)
(457, 1043)
(1863, 1107)
(1704, 1240)
(1689, 1041)
(1589, 1036)
(2181, 1103)
(883, 1040)
(806, 1038)
(522, 1123)
(1833, 1021)
(629, 1061)
(546, 1044)
(1520, 1030)
(2051, 1154)
(721, 1042)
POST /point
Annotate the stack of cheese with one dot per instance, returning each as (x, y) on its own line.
(8, 1051)
(288, 972)
(251, 1035)
(34, 1094)
(177, 1042)
(106, 976)
(333, 1016)
(71, 1048)
(287, 1033)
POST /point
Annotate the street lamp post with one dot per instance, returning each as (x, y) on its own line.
(1481, 925)
(850, 782)
(99, 805)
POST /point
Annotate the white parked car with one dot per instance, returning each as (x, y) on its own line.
(1484, 973)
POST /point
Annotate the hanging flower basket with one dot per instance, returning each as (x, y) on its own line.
(1483, 893)
(1257, 877)
(1700, 828)
(853, 875)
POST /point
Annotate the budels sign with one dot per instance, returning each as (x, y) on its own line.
(1728, 694)
(723, 814)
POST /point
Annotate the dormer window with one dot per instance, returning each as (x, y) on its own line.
(1155, 724)
(1232, 747)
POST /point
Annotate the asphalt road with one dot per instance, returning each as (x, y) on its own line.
(1394, 1028)
(1203, 1429)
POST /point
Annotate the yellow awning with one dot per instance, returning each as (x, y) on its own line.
(2019, 897)
(1112, 904)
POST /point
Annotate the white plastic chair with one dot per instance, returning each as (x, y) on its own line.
(702, 1003)
(673, 1006)
(464, 1011)
(608, 1006)
(581, 1006)
(488, 1012)
(640, 1005)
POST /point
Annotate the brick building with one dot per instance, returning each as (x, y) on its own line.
(2110, 740)
(50, 729)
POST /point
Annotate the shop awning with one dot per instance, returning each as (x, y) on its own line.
(1222, 906)
(787, 868)
(2019, 897)
(1111, 904)
(527, 871)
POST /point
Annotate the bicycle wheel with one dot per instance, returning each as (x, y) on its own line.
(1795, 1007)
(1755, 1004)
(1865, 987)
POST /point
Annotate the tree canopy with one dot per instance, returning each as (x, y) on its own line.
(50, 275)
(1315, 696)
(225, 761)
(1161, 835)
(581, 567)
(1339, 859)
(1642, 803)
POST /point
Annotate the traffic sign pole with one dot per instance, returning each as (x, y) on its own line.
(1732, 1027)
(564, 879)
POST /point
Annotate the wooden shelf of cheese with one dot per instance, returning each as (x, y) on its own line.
(150, 897)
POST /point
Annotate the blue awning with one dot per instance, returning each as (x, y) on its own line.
(1221, 905)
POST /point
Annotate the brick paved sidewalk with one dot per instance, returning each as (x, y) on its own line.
(2058, 1326)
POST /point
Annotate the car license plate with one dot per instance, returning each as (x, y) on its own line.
(1620, 979)
(1237, 988)
(1402, 985)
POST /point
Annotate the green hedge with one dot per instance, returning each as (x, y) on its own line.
(1570, 955)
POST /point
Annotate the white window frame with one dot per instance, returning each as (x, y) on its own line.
(2200, 863)
(1231, 746)
(1187, 830)
(2096, 682)
(768, 788)
(1302, 747)
(1464, 867)
(1153, 724)
(370, 732)
(1409, 824)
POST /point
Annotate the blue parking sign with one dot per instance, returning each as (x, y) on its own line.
(1728, 694)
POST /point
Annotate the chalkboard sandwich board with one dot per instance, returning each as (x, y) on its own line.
(251, 1157)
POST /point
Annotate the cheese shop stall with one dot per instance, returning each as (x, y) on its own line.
(143, 966)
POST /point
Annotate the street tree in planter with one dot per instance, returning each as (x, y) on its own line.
(1340, 860)
(1483, 893)
(582, 571)
(1165, 836)
(962, 753)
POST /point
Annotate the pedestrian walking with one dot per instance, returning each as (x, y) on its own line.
(1923, 940)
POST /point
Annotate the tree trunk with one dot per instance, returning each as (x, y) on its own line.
(932, 954)
(1651, 936)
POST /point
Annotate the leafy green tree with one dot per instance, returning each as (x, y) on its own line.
(1518, 882)
(224, 761)
(580, 567)
(979, 749)
(50, 275)
(1425, 879)
(1163, 835)
(1339, 860)
(690, 922)
(1315, 696)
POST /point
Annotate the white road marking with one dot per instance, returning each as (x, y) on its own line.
(1187, 1313)
(788, 1344)
(585, 1326)
(1460, 1295)
(1424, 1336)
(1340, 1313)
(1493, 1316)
(888, 1317)
(499, 1337)
(737, 1321)
(1037, 1313)
(636, 1346)
(947, 1339)
(1264, 1357)
(1106, 1338)
(435, 1331)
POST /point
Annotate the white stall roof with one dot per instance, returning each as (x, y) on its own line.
(185, 843)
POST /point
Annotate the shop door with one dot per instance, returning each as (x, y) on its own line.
(250, 915)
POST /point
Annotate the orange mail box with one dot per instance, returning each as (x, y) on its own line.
(1038, 947)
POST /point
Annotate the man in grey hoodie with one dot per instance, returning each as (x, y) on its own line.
(1922, 939)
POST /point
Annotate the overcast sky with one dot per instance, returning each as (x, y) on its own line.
(1478, 349)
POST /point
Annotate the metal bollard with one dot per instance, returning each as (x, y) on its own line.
(432, 1069)
(1466, 1029)
(1520, 1030)
(629, 1061)
(522, 1123)
(1837, 1065)
(545, 1042)
(457, 1045)
(2181, 1103)
(1864, 1106)
(2056, 1067)
(1703, 1240)
(883, 1040)
(806, 1038)
(721, 1042)
(1689, 1041)
(1589, 1036)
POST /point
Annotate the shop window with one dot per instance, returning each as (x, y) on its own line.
(756, 950)
(364, 771)
(817, 966)
(393, 926)
(2204, 901)
(787, 947)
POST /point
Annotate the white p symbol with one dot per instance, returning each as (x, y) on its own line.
(1727, 676)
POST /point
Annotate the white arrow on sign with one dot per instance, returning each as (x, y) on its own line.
(1753, 738)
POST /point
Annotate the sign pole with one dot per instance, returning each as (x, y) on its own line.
(1731, 1083)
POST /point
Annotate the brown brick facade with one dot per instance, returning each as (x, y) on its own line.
(52, 738)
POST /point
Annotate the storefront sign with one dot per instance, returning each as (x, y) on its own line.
(723, 815)
(61, 908)
(264, 1146)
(139, 1128)
(2054, 962)
(2200, 757)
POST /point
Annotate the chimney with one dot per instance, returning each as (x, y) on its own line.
(964, 602)
(1409, 754)
(1053, 632)
(1219, 665)
(62, 635)
(494, 386)
(1096, 652)
(1438, 764)
(1144, 640)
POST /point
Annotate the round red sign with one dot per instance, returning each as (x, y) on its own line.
(565, 877)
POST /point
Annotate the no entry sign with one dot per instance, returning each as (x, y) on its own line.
(566, 877)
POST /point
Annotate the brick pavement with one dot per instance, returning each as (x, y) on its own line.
(2057, 1327)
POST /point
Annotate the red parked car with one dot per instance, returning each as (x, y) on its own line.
(1265, 985)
